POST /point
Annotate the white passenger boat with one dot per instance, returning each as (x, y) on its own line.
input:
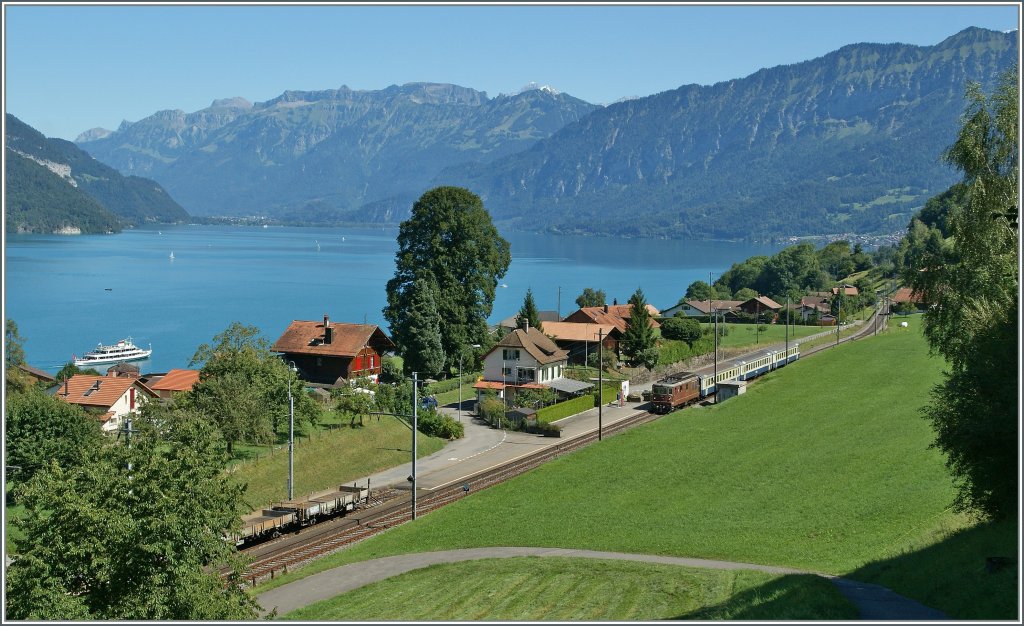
(122, 351)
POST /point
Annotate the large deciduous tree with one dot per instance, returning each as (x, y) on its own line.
(972, 284)
(243, 387)
(40, 429)
(451, 243)
(591, 297)
(134, 533)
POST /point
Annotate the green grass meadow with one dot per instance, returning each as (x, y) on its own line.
(331, 458)
(823, 466)
(536, 589)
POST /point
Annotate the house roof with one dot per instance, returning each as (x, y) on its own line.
(308, 337)
(702, 305)
(545, 317)
(176, 380)
(536, 343)
(906, 294)
(497, 384)
(99, 391)
(814, 300)
(614, 314)
(765, 302)
(577, 331)
(37, 373)
(848, 290)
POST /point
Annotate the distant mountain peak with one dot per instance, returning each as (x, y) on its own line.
(533, 86)
(92, 134)
(237, 102)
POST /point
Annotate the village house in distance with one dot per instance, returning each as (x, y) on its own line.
(329, 354)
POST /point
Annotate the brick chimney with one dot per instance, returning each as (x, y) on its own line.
(328, 331)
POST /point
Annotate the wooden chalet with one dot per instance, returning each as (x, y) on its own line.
(328, 353)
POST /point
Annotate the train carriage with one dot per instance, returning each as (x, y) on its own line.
(294, 514)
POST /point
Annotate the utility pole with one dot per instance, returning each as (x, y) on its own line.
(415, 408)
(558, 305)
(600, 380)
(716, 355)
(786, 360)
(839, 316)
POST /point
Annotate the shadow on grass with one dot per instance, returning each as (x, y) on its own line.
(793, 597)
(970, 574)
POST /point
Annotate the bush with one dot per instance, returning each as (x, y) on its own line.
(430, 422)
(449, 384)
(681, 329)
(564, 409)
(491, 409)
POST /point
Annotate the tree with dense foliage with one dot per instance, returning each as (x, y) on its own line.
(451, 243)
(836, 258)
(133, 533)
(243, 387)
(743, 274)
(14, 355)
(529, 313)
(792, 272)
(70, 369)
(698, 290)
(423, 351)
(591, 297)
(638, 342)
(40, 429)
(971, 283)
(744, 294)
(681, 329)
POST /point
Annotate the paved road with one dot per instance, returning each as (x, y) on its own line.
(872, 601)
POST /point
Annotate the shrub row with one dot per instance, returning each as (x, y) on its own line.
(449, 384)
(564, 409)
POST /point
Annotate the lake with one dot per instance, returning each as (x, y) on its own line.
(68, 293)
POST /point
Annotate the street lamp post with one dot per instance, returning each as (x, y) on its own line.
(475, 345)
(291, 434)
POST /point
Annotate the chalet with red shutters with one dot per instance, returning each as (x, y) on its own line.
(330, 353)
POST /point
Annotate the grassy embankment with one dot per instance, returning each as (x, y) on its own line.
(329, 458)
(823, 466)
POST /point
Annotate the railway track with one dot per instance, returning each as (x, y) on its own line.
(296, 549)
(392, 507)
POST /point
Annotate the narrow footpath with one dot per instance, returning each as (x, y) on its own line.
(872, 601)
(484, 446)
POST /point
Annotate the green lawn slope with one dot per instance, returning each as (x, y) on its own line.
(824, 466)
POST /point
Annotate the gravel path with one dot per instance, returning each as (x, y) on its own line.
(873, 602)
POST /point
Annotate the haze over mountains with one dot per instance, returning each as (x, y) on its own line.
(848, 142)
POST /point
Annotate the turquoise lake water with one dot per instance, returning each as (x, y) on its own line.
(68, 293)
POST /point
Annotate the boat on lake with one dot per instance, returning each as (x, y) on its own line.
(120, 352)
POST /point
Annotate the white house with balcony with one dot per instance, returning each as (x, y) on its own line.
(525, 359)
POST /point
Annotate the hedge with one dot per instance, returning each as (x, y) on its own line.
(564, 409)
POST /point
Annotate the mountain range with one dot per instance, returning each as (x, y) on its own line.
(52, 186)
(848, 142)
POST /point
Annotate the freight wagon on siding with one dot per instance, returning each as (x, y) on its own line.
(294, 514)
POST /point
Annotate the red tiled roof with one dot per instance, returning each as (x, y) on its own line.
(577, 331)
(906, 294)
(304, 337)
(176, 380)
(109, 390)
(616, 315)
(497, 384)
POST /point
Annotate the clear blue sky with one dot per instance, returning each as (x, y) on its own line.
(72, 68)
